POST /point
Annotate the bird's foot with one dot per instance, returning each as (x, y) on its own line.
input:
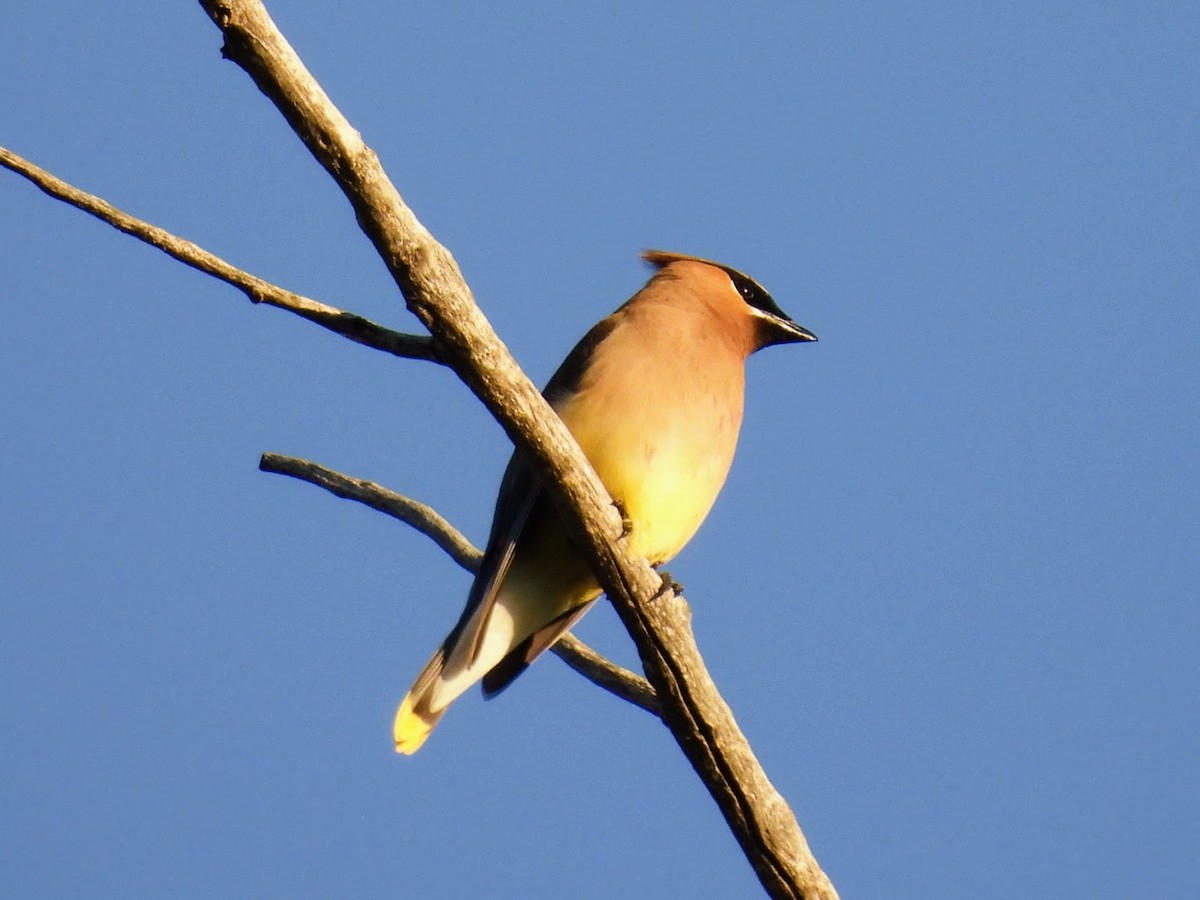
(669, 585)
(626, 522)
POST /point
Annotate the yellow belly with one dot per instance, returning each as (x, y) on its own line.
(666, 475)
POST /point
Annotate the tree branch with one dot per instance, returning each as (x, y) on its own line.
(349, 325)
(574, 652)
(412, 512)
(607, 674)
(434, 290)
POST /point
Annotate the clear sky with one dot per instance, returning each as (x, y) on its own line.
(950, 589)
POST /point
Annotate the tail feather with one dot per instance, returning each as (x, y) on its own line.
(518, 659)
(412, 726)
(468, 654)
(414, 719)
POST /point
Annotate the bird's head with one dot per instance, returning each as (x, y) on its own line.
(771, 324)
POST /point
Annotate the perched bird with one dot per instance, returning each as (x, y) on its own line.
(653, 395)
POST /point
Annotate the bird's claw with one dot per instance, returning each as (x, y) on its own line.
(626, 522)
(669, 585)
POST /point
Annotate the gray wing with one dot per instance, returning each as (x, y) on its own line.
(519, 493)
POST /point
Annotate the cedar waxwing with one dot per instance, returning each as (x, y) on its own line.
(653, 395)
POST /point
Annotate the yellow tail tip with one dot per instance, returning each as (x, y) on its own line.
(410, 728)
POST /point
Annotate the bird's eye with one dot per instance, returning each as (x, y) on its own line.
(745, 289)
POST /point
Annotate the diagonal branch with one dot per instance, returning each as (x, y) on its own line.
(574, 652)
(349, 325)
(435, 291)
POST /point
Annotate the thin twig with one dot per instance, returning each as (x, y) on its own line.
(349, 325)
(412, 512)
(606, 674)
(575, 653)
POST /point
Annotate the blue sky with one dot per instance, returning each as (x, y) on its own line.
(949, 590)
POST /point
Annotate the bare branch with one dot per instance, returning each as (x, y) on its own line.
(412, 512)
(692, 708)
(603, 672)
(349, 325)
(425, 519)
